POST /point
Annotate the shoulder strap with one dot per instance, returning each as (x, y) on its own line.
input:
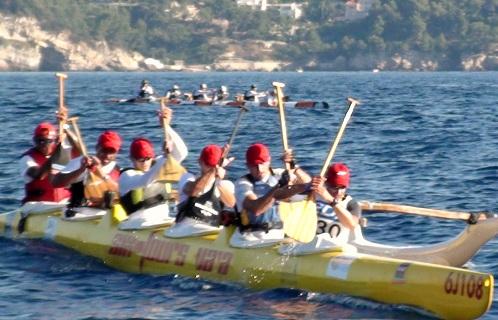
(121, 170)
(250, 178)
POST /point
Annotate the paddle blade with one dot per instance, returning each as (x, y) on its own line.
(171, 171)
(299, 219)
(95, 190)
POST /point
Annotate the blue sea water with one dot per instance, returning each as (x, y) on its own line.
(426, 139)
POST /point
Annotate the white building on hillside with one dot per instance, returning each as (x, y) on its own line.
(293, 10)
(255, 4)
(357, 9)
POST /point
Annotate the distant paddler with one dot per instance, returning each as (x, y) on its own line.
(146, 90)
(203, 94)
(222, 94)
(253, 94)
(145, 198)
(174, 93)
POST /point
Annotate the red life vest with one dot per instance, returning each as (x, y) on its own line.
(114, 174)
(41, 189)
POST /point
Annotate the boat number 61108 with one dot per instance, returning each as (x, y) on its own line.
(462, 284)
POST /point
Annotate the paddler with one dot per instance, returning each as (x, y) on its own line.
(338, 213)
(222, 93)
(252, 94)
(258, 193)
(203, 197)
(36, 165)
(203, 93)
(146, 89)
(173, 93)
(76, 173)
(142, 195)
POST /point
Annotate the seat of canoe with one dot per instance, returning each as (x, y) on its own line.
(321, 243)
(41, 207)
(190, 228)
(157, 216)
(85, 213)
(256, 239)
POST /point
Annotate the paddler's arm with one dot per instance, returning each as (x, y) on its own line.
(279, 192)
(37, 172)
(179, 150)
(73, 141)
(345, 216)
(298, 175)
(177, 147)
(196, 187)
(225, 187)
(132, 181)
(289, 184)
(64, 178)
(290, 190)
(301, 175)
(260, 205)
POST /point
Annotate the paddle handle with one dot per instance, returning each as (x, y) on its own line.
(234, 133)
(83, 150)
(165, 123)
(281, 112)
(352, 104)
(81, 144)
(61, 77)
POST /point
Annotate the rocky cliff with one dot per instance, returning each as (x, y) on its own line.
(25, 46)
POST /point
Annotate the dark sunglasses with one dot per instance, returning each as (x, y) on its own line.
(108, 150)
(44, 141)
(337, 188)
(144, 159)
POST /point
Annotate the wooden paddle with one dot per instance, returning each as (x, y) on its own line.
(171, 170)
(96, 186)
(62, 107)
(234, 132)
(299, 217)
(281, 113)
(352, 104)
(435, 213)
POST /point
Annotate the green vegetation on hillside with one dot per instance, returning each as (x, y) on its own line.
(197, 32)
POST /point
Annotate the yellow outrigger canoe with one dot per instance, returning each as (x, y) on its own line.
(447, 292)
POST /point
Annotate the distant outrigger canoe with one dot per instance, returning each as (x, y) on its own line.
(301, 104)
(134, 100)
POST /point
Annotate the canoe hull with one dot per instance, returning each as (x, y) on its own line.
(445, 291)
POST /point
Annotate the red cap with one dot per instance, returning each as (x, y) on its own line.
(257, 153)
(45, 129)
(338, 175)
(211, 155)
(141, 148)
(110, 140)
